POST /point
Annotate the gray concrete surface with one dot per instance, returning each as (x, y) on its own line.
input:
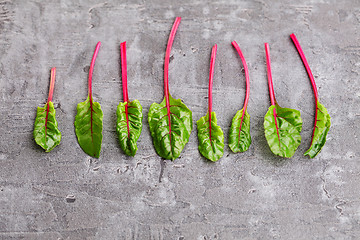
(67, 195)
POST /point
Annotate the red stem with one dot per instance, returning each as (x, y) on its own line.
(236, 46)
(166, 69)
(271, 89)
(51, 90)
(90, 88)
(211, 75)
(124, 83)
(270, 82)
(124, 71)
(92, 68)
(167, 56)
(303, 58)
(52, 84)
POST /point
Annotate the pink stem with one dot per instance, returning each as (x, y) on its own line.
(92, 68)
(166, 70)
(124, 83)
(271, 88)
(51, 90)
(211, 75)
(303, 58)
(124, 71)
(167, 56)
(270, 82)
(247, 85)
(90, 88)
(236, 46)
(52, 84)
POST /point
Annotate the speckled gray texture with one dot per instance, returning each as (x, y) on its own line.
(67, 195)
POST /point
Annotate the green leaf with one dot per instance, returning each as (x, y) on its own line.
(169, 144)
(290, 115)
(46, 132)
(88, 127)
(210, 146)
(322, 126)
(239, 138)
(129, 127)
(283, 134)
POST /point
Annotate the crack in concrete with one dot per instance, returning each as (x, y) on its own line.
(162, 167)
(339, 202)
(324, 183)
(99, 5)
(338, 206)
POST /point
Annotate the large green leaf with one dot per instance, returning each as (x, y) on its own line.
(46, 132)
(322, 126)
(171, 137)
(282, 130)
(239, 137)
(88, 127)
(211, 137)
(129, 125)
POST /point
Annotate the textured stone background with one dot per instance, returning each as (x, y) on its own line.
(253, 195)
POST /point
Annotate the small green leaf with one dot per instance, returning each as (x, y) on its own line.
(169, 144)
(282, 130)
(210, 146)
(322, 127)
(88, 127)
(239, 137)
(129, 127)
(46, 132)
